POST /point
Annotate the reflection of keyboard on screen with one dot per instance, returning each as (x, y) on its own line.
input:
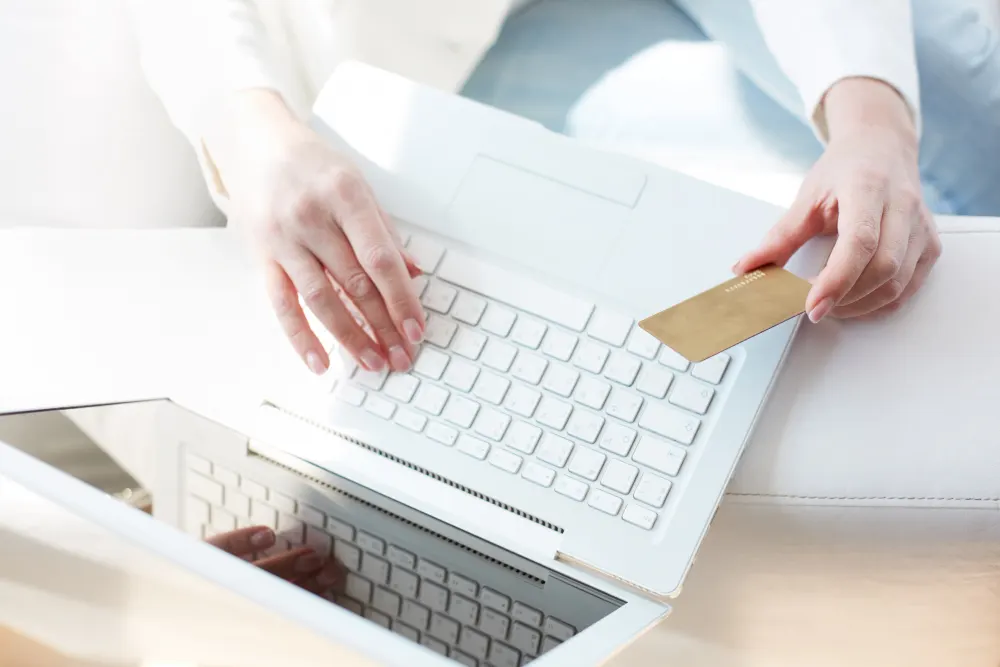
(424, 595)
(542, 385)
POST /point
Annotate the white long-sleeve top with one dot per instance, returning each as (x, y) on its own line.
(196, 52)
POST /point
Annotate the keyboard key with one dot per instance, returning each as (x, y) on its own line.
(555, 628)
(339, 529)
(639, 516)
(474, 643)
(311, 515)
(225, 476)
(658, 455)
(591, 356)
(463, 658)
(430, 399)
(553, 413)
(444, 628)
(673, 360)
(527, 615)
(592, 392)
(369, 542)
(554, 450)
(585, 425)
(371, 379)
(643, 344)
(502, 655)
(559, 345)
(461, 411)
(435, 645)
(461, 375)
(374, 568)
(604, 502)
(350, 394)
(425, 252)
(523, 401)
(263, 515)
(498, 320)
(321, 543)
(431, 571)
(405, 583)
(281, 502)
(610, 327)
(198, 464)
(349, 604)
(401, 557)
(712, 369)
(379, 406)
(539, 474)
(415, 614)
(197, 512)
(652, 490)
(692, 395)
(430, 363)
(499, 356)
(468, 343)
(386, 601)
(460, 584)
(506, 461)
(491, 388)
(523, 437)
(560, 380)
(623, 405)
(464, 610)
(410, 420)
(348, 554)
(433, 596)
(469, 308)
(378, 617)
(654, 381)
(528, 333)
(587, 463)
(491, 424)
(439, 331)
(525, 638)
(474, 447)
(670, 423)
(237, 503)
(529, 368)
(571, 488)
(494, 623)
(358, 588)
(445, 435)
(619, 477)
(439, 297)
(622, 368)
(401, 387)
(617, 439)
(223, 521)
(291, 529)
(207, 489)
(549, 643)
(405, 630)
(419, 285)
(515, 289)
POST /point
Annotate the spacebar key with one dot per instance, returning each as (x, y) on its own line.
(515, 290)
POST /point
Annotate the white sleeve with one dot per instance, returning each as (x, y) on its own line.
(819, 42)
(194, 53)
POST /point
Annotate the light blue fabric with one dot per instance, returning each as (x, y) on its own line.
(552, 52)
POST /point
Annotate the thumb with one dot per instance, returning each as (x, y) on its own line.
(799, 224)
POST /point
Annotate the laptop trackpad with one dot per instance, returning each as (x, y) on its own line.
(534, 220)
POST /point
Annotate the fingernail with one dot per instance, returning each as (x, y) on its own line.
(372, 361)
(413, 333)
(736, 267)
(398, 359)
(262, 539)
(821, 309)
(315, 364)
(308, 563)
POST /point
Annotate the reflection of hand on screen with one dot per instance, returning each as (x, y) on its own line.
(301, 566)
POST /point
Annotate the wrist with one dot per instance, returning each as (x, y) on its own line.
(862, 104)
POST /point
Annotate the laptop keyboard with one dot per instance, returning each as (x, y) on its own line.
(544, 386)
(446, 610)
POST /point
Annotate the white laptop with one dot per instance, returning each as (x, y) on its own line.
(536, 489)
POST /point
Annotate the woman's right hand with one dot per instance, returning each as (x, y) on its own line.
(320, 234)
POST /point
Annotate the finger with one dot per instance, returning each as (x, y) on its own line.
(889, 291)
(244, 541)
(799, 224)
(859, 230)
(330, 578)
(377, 254)
(408, 259)
(322, 299)
(334, 251)
(924, 265)
(285, 302)
(292, 565)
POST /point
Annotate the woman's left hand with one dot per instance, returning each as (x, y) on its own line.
(866, 189)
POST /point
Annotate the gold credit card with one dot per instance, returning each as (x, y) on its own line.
(730, 313)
